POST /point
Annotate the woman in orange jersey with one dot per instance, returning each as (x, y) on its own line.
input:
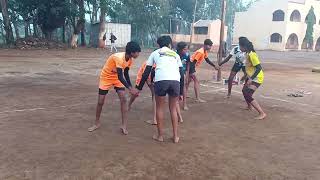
(115, 73)
(196, 60)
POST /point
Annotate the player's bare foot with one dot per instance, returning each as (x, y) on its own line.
(185, 108)
(124, 131)
(94, 127)
(201, 101)
(151, 122)
(175, 139)
(261, 117)
(180, 120)
(157, 138)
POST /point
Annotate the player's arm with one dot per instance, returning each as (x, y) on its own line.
(188, 70)
(225, 60)
(153, 73)
(144, 78)
(181, 80)
(257, 71)
(147, 71)
(121, 78)
(126, 76)
(211, 63)
(244, 73)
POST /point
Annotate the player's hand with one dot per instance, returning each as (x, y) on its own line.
(181, 98)
(243, 78)
(217, 68)
(249, 82)
(134, 92)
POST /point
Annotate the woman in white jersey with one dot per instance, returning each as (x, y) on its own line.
(239, 63)
(169, 79)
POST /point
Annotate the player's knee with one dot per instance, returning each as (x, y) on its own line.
(231, 78)
(100, 102)
(247, 94)
(123, 99)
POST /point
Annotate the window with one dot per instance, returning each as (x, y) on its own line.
(278, 15)
(292, 42)
(201, 30)
(295, 16)
(276, 38)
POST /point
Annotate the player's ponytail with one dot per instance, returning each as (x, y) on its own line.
(247, 45)
(251, 47)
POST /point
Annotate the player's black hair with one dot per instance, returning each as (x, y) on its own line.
(208, 42)
(132, 47)
(247, 45)
(180, 46)
(164, 41)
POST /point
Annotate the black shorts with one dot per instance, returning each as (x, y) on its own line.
(257, 85)
(105, 92)
(237, 66)
(162, 88)
(192, 68)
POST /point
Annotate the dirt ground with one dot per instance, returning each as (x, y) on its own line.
(48, 100)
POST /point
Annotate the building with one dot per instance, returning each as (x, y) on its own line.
(203, 29)
(278, 24)
(121, 31)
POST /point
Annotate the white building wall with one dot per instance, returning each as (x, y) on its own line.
(257, 24)
(121, 31)
(300, 27)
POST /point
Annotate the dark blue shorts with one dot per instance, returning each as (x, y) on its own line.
(162, 88)
(237, 66)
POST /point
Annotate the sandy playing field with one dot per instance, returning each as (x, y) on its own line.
(48, 100)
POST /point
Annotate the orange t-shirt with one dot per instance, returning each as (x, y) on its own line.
(200, 55)
(117, 60)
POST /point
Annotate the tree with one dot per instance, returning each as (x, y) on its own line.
(93, 16)
(7, 22)
(102, 25)
(310, 20)
(148, 18)
(51, 14)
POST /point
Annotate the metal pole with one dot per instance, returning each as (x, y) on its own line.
(223, 16)
(170, 28)
(192, 25)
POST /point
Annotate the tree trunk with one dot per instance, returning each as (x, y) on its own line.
(64, 33)
(94, 11)
(16, 29)
(29, 27)
(35, 29)
(6, 22)
(82, 19)
(26, 29)
(48, 35)
(76, 32)
(2, 32)
(102, 28)
(92, 21)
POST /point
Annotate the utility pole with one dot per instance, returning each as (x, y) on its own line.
(220, 52)
(194, 19)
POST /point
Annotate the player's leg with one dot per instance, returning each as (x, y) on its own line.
(160, 89)
(174, 92)
(101, 100)
(197, 89)
(124, 110)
